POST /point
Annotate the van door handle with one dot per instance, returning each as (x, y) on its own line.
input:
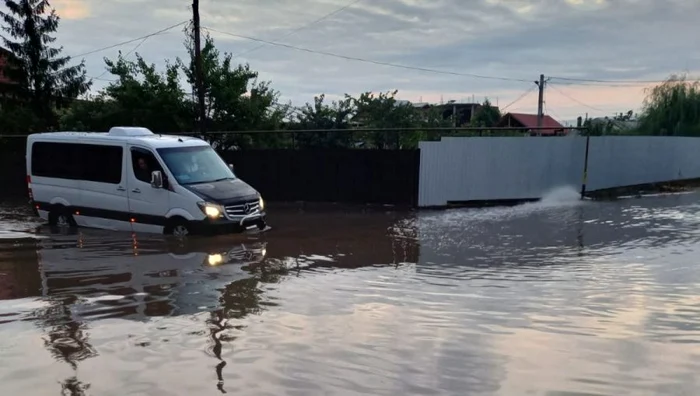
(136, 190)
(120, 188)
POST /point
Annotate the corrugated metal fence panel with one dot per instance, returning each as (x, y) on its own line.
(500, 168)
(431, 182)
(616, 161)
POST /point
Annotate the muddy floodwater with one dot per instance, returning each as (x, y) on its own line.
(560, 297)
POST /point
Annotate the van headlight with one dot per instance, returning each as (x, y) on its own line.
(262, 204)
(215, 259)
(213, 211)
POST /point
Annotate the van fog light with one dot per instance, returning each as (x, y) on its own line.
(211, 210)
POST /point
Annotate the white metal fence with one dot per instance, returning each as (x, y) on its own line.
(502, 168)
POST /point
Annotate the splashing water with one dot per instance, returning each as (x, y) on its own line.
(558, 198)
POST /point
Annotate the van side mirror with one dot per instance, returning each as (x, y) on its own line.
(230, 166)
(156, 179)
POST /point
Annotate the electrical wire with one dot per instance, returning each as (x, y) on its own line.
(574, 99)
(337, 11)
(519, 98)
(423, 69)
(607, 81)
(129, 41)
(126, 55)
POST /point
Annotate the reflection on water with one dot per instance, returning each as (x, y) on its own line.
(559, 297)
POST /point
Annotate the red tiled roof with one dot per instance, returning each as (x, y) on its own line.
(530, 121)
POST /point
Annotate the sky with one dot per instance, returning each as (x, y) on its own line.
(466, 49)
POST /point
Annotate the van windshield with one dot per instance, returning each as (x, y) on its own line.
(194, 165)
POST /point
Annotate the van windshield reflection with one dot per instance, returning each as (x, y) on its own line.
(195, 165)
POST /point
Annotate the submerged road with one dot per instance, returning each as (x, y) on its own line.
(559, 297)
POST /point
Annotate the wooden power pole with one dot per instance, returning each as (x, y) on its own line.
(540, 101)
(198, 67)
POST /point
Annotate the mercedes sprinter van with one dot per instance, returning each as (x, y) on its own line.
(130, 179)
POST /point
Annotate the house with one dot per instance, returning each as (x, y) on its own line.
(7, 85)
(519, 120)
(4, 56)
(613, 125)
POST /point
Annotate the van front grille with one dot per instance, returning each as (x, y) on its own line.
(243, 209)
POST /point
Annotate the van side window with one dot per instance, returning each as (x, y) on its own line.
(102, 164)
(144, 162)
(73, 161)
(56, 160)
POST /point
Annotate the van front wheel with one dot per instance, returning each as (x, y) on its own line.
(178, 228)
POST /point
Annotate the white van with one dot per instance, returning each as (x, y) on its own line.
(131, 179)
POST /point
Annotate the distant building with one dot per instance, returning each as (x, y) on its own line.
(613, 125)
(7, 86)
(519, 120)
(4, 56)
(464, 111)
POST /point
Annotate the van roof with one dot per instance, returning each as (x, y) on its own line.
(121, 134)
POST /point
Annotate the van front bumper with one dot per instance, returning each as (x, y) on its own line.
(228, 226)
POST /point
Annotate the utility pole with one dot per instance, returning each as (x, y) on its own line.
(540, 101)
(198, 66)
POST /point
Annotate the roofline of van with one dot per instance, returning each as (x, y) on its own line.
(153, 141)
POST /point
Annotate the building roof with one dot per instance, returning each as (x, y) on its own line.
(530, 121)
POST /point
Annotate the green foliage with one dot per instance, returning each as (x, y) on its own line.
(486, 116)
(141, 96)
(672, 108)
(44, 79)
(324, 116)
(234, 99)
(383, 111)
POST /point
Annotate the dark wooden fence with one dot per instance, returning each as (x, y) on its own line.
(313, 175)
(331, 175)
(13, 174)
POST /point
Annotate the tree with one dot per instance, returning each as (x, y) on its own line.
(672, 108)
(486, 116)
(234, 98)
(383, 111)
(140, 96)
(43, 77)
(320, 115)
(380, 112)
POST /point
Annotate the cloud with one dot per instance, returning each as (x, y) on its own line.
(586, 39)
(72, 9)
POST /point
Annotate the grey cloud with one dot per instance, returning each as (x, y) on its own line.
(615, 39)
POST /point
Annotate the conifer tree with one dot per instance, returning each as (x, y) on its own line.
(43, 78)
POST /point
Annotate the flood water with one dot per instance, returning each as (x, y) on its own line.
(556, 298)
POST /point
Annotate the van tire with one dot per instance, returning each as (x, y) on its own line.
(59, 216)
(178, 227)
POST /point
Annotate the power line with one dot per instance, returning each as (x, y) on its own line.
(126, 55)
(574, 99)
(423, 69)
(337, 11)
(129, 41)
(519, 98)
(621, 82)
(608, 85)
